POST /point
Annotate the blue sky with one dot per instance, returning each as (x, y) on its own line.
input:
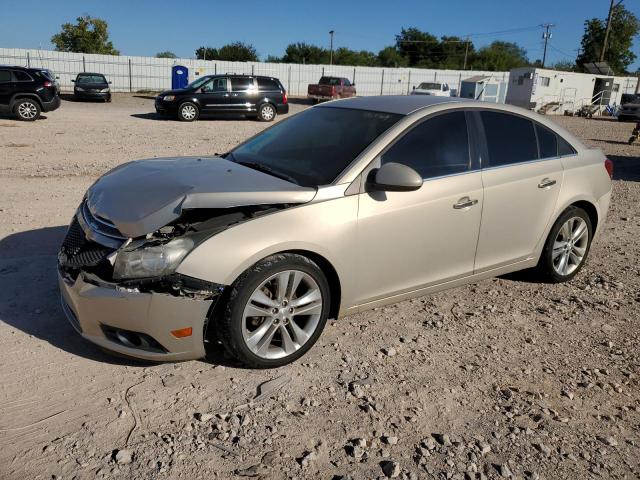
(145, 27)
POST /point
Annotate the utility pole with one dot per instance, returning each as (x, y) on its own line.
(331, 32)
(608, 30)
(466, 54)
(546, 35)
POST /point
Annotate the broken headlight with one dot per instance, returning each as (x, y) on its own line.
(147, 261)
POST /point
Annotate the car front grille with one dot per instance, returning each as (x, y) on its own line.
(77, 251)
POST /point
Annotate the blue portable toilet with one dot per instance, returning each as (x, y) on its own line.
(179, 76)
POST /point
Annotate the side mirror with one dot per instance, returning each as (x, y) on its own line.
(110, 82)
(414, 87)
(394, 177)
(73, 80)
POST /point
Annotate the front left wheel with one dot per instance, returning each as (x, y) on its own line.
(275, 311)
(188, 112)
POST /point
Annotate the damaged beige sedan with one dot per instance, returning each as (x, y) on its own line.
(346, 206)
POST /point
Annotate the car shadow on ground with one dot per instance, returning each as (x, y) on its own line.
(30, 301)
(6, 116)
(202, 118)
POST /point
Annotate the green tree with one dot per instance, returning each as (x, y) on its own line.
(618, 54)
(238, 52)
(391, 57)
(305, 53)
(500, 56)
(206, 53)
(87, 35)
(420, 48)
(363, 58)
(166, 54)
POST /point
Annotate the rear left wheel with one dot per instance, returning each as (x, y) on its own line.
(266, 112)
(275, 312)
(27, 110)
(567, 246)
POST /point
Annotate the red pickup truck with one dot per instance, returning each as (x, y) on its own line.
(331, 88)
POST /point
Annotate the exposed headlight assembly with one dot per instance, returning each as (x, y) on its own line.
(104, 90)
(150, 261)
(169, 98)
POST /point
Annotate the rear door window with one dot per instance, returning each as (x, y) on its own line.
(436, 147)
(241, 84)
(547, 141)
(268, 85)
(5, 76)
(510, 138)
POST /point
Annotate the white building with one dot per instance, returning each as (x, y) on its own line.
(552, 91)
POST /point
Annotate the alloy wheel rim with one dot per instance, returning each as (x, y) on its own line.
(267, 113)
(282, 314)
(570, 246)
(27, 110)
(188, 112)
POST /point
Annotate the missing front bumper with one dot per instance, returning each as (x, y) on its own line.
(91, 306)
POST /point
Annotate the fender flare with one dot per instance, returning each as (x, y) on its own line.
(17, 96)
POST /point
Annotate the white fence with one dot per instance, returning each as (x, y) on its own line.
(132, 74)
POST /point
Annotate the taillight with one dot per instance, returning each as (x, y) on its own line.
(284, 98)
(48, 84)
(608, 165)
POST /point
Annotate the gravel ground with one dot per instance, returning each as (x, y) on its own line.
(504, 378)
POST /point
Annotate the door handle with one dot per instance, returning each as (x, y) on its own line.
(546, 183)
(226, 94)
(464, 202)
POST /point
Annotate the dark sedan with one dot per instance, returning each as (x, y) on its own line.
(91, 86)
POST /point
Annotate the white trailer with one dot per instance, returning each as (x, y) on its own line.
(555, 92)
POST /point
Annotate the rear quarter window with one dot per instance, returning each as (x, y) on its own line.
(268, 85)
(510, 138)
(5, 76)
(21, 76)
(564, 148)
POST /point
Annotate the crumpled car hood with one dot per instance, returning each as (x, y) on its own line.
(141, 196)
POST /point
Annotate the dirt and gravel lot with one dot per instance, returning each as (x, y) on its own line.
(504, 378)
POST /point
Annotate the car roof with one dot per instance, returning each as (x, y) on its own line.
(400, 104)
(91, 73)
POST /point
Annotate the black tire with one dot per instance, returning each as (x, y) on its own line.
(188, 112)
(266, 112)
(230, 323)
(27, 110)
(545, 268)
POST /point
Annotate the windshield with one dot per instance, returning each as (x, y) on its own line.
(313, 147)
(429, 86)
(630, 98)
(91, 79)
(199, 82)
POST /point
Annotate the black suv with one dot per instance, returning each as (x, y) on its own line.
(259, 97)
(26, 92)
